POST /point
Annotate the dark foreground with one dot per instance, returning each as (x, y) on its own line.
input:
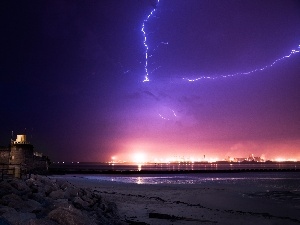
(44, 201)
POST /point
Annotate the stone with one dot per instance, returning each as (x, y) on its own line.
(40, 222)
(40, 200)
(90, 200)
(57, 194)
(38, 197)
(4, 209)
(20, 186)
(11, 200)
(69, 216)
(17, 218)
(64, 203)
(72, 192)
(4, 221)
(31, 206)
(65, 185)
(80, 204)
(6, 188)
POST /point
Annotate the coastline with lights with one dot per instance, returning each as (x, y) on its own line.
(113, 167)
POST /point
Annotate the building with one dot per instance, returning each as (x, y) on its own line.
(19, 157)
(21, 151)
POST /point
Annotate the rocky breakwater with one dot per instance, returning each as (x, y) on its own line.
(44, 201)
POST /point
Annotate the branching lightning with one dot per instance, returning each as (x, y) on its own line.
(209, 77)
(293, 52)
(147, 56)
(146, 78)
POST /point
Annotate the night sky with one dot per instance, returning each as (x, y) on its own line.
(72, 74)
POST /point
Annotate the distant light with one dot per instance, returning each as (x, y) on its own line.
(280, 159)
(139, 158)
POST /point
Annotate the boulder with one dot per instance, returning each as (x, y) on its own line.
(64, 203)
(31, 206)
(38, 197)
(65, 185)
(11, 200)
(80, 204)
(40, 222)
(69, 216)
(6, 188)
(17, 218)
(72, 192)
(57, 194)
(41, 200)
(4, 209)
(4, 221)
(20, 186)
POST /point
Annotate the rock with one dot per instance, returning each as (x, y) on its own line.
(4, 221)
(57, 194)
(72, 192)
(6, 188)
(11, 200)
(64, 186)
(90, 200)
(40, 222)
(64, 203)
(80, 204)
(31, 206)
(41, 200)
(48, 188)
(20, 186)
(69, 216)
(17, 218)
(38, 197)
(4, 209)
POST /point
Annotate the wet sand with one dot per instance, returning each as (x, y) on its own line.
(196, 203)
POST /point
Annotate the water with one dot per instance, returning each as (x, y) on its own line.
(282, 180)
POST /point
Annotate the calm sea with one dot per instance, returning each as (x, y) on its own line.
(282, 180)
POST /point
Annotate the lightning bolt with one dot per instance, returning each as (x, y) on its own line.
(146, 78)
(293, 52)
(213, 77)
(147, 56)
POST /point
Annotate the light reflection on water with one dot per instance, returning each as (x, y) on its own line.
(272, 179)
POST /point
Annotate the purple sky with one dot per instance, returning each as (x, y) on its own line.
(72, 74)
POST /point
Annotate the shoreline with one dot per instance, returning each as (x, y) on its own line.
(191, 204)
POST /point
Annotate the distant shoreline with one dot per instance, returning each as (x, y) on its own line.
(134, 172)
(172, 168)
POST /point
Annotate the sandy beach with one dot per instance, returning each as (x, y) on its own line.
(211, 203)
